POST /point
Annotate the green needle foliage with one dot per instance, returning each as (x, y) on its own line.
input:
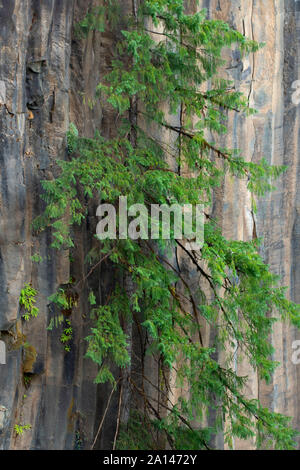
(27, 300)
(19, 429)
(67, 335)
(163, 62)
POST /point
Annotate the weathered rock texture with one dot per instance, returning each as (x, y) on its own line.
(44, 70)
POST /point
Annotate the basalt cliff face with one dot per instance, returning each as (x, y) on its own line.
(45, 70)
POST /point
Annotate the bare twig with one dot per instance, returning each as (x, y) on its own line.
(182, 419)
(93, 268)
(104, 415)
(118, 419)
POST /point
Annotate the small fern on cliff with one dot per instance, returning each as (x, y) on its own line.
(27, 301)
(171, 105)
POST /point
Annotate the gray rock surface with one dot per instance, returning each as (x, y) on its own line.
(44, 68)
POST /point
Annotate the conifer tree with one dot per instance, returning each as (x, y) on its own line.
(163, 61)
